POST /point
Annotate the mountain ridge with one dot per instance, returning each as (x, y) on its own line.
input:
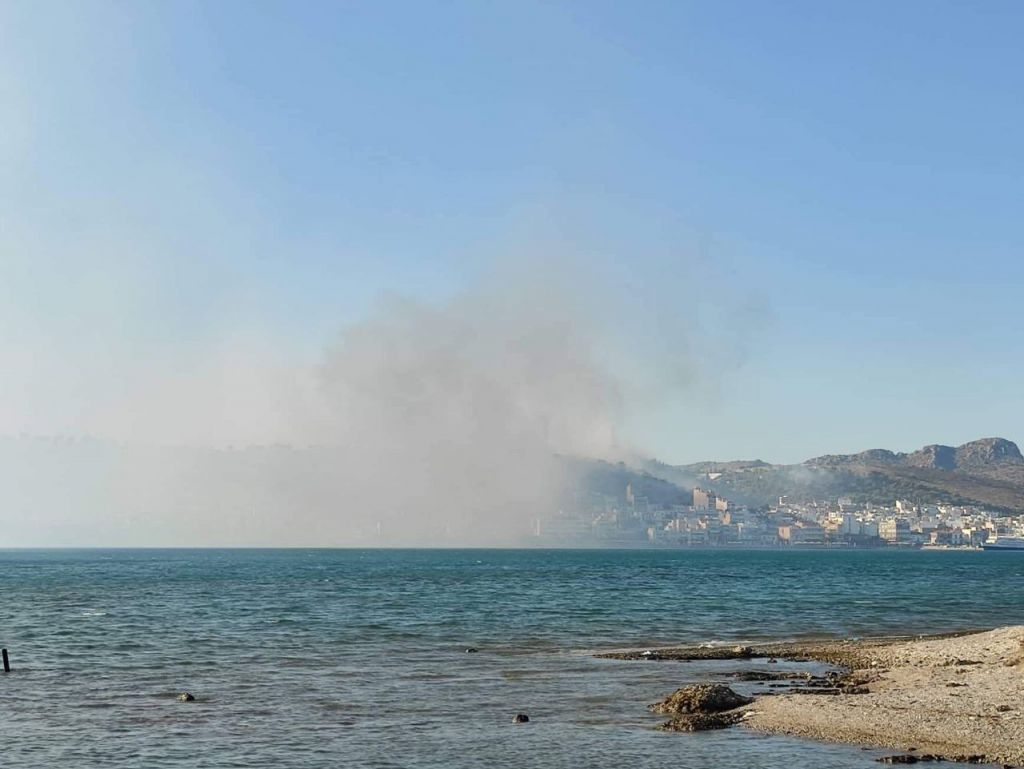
(976, 454)
(987, 472)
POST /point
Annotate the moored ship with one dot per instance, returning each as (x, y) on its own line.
(1005, 543)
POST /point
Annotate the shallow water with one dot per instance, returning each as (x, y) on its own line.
(325, 658)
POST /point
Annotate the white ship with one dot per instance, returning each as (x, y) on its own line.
(1005, 543)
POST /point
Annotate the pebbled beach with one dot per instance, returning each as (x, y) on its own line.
(958, 697)
(951, 697)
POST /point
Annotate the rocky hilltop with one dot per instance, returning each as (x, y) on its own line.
(988, 472)
(984, 454)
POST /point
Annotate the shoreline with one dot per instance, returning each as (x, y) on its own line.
(954, 696)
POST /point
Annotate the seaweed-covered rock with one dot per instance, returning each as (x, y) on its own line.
(701, 698)
(761, 675)
(699, 722)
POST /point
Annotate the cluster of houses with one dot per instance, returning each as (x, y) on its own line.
(713, 521)
(902, 524)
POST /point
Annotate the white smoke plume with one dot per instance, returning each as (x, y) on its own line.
(425, 423)
(450, 417)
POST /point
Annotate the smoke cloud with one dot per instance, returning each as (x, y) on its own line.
(424, 423)
(459, 411)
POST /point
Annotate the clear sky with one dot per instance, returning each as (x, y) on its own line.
(833, 192)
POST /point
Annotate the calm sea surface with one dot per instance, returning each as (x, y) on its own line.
(331, 658)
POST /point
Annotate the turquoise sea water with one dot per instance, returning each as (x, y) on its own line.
(328, 658)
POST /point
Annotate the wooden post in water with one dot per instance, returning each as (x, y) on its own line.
(7, 662)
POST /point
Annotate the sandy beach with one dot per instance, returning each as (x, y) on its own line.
(954, 697)
(951, 697)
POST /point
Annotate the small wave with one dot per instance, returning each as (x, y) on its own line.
(93, 613)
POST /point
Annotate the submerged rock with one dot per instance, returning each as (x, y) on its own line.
(701, 698)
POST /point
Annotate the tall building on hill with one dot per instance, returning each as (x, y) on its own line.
(703, 499)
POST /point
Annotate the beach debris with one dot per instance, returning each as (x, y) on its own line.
(186, 697)
(700, 698)
(520, 718)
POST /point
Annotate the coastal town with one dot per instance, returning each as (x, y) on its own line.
(713, 521)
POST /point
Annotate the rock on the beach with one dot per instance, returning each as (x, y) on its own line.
(699, 722)
(186, 697)
(520, 718)
(701, 698)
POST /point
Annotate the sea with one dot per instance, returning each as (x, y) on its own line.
(339, 658)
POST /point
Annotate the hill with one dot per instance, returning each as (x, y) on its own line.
(988, 472)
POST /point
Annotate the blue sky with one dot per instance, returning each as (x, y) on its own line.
(833, 190)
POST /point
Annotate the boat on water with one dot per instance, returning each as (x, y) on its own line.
(1005, 543)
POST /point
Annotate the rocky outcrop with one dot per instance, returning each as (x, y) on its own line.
(700, 698)
(988, 451)
(935, 456)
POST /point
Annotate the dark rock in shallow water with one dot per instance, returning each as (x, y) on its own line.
(186, 697)
(701, 698)
(761, 675)
(908, 758)
(700, 722)
(520, 718)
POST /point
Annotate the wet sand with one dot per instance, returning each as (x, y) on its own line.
(957, 697)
